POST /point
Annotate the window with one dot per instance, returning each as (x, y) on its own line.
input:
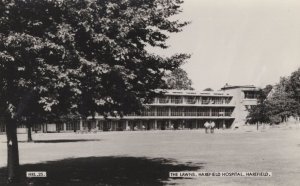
(191, 100)
(176, 111)
(227, 100)
(163, 100)
(148, 112)
(250, 94)
(203, 112)
(59, 126)
(176, 100)
(228, 112)
(162, 111)
(73, 125)
(100, 125)
(217, 100)
(190, 111)
(205, 100)
(217, 112)
(36, 127)
(132, 114)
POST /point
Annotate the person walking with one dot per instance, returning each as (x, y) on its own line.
(206, 125)
(212, 127)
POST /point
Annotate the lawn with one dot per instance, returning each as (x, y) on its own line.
(147, 157)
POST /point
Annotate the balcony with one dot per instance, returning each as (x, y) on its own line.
(205, 102)
(163, 100)
(176, 101)
(191, 101)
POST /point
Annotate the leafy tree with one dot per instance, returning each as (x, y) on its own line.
(295, 84)
(208, 89)
(277, 107)
(178, 79)
(263, 93)
(282, 103)
(60, 57)
(260, 112)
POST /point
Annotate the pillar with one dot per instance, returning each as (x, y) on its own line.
(81, 125)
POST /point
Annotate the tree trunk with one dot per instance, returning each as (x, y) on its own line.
(29, 136)
(12, 151)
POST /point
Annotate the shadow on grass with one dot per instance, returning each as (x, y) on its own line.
(100, 171)
(61, 141)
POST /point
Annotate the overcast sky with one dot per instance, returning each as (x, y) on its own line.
(239, 42)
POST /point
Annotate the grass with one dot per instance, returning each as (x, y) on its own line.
(146, 157)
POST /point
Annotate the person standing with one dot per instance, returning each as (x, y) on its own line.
(206, 125)
(212, 127)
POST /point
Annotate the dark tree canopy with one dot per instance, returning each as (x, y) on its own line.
(208, 89)
(178, 79)
(64, 56)
(277, 103)
(258, 113)
(67, 57)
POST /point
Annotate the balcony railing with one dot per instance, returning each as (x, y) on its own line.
(205, 102)
(176, 101)
(191, 101)
(228, 113)
(163, 100)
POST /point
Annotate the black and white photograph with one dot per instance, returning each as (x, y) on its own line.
(149, 92)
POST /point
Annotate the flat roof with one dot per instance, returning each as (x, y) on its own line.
(226, 87)
(194, 93)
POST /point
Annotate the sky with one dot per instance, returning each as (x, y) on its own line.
(239, 42)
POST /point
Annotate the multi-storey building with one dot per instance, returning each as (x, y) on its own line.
(244, 98)
(176, 109)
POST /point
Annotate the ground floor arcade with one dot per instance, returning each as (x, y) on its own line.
(123, 125)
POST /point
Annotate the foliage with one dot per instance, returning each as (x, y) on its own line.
(60, 57)
(282, 102)
(178, 79)
(258, 113)
(208, 89)
(277, 103)
(264, 93)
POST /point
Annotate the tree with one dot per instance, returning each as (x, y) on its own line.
(60, 57)
(260, 112)
(295, 85)
(208, 89)
(278, 106)
(263, 93)
(178, 79)
(282, 104)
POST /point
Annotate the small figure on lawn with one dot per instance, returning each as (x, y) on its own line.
(207, 126)
(212, 127)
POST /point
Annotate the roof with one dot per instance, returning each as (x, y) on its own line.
(226, 87)
(193, 92)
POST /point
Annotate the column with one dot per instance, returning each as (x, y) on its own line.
(81, 125)
(126, 125)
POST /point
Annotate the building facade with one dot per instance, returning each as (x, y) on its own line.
(176, 109)
(244, 98)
